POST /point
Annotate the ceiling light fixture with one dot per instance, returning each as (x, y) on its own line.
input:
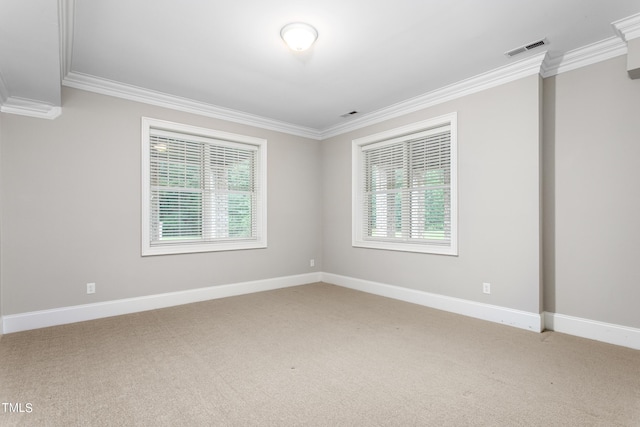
(298, 35)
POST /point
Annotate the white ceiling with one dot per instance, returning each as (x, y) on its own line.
(228, 55)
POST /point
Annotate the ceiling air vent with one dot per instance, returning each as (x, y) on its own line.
(526, 48)
(351, 113)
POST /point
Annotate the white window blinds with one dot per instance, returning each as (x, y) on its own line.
(202, 190)
(405, 192)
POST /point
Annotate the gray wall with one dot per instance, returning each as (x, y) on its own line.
(70, 203)
(71, 209)
(592, 179)
(499, 204)
(1, 311)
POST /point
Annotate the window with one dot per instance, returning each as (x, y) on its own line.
(203, 190)
(405, 189)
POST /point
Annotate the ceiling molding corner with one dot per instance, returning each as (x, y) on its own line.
(627, 28)
(146, 96)
(30, 108)
(587, 55)
(66, 14)
(517, 70)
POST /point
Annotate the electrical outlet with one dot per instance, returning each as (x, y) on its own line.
(312, 263)
(91, 288)
(486, 288)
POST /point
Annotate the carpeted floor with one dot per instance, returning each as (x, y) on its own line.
(314, 355)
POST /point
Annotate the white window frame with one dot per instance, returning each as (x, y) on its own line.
(149, 125)
(357, 180)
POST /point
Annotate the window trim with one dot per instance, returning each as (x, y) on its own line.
(357, 191)
(213, 246)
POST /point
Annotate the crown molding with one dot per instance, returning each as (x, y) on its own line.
(517, 70)
(584, 56)
(30, 108)
(66, 14)
(543, 63)
(627, 28)
(90, 83)
(146, 96)
(511, 72)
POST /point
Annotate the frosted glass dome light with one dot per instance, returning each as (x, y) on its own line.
(299, 36)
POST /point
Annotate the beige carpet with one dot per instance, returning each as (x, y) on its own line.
(314, 355)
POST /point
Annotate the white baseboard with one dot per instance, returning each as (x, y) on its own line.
(585, 328)
(493, 313)
(79, 313)
(606, 332)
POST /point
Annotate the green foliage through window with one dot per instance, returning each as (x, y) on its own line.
(407, 193)
(201, 191)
